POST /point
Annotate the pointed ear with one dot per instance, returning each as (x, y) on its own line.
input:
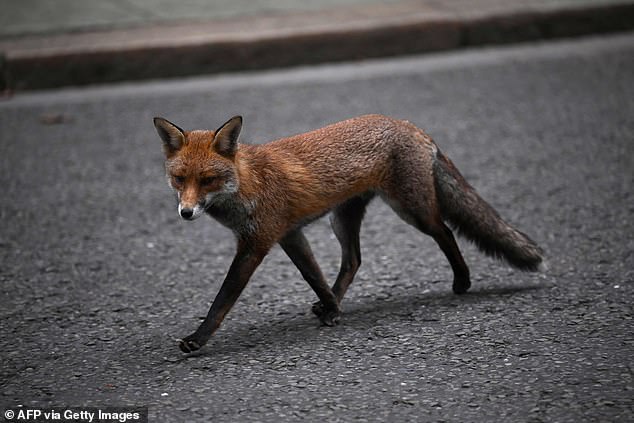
(226, 138)
(172, 136)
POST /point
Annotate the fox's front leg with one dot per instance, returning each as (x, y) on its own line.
(298, 250)
(244, 264)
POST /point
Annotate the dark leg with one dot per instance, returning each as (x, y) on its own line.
(297, 248)
(427, 220)
(447, 243)
(244, 264)
(346, 223)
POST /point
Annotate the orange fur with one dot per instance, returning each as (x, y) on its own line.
(266, 193)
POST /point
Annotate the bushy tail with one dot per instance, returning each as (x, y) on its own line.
(475, 219)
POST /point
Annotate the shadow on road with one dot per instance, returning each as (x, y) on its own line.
(360, 317)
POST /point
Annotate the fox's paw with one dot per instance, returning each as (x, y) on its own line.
(190, 344)
(461, 285)
(327, 316)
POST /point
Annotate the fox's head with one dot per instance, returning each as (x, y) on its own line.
(200, 165)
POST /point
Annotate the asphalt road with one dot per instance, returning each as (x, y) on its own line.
(99, 274)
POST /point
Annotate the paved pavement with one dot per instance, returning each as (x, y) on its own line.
(47, 44)
(99, 274)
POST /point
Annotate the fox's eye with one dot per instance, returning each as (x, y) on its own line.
(208, 180)
(179, 180)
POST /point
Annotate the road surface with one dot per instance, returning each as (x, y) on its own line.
(99, 275)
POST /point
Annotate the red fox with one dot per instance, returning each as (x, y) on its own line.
(266, 193)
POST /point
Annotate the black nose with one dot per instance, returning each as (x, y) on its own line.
(187, 213)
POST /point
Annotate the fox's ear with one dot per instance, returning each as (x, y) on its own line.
(172, 136)
(226, 138)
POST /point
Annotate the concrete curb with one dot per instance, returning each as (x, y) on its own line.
(59, 65)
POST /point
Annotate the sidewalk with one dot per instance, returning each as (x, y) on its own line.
(46, 44)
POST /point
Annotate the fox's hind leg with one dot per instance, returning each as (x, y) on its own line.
(427, 219)
(447, 243)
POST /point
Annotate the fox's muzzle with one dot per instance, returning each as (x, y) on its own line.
(189, 213)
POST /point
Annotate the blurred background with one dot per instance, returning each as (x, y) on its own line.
(45, 44)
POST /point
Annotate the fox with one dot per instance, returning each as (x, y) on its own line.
(265, 194)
